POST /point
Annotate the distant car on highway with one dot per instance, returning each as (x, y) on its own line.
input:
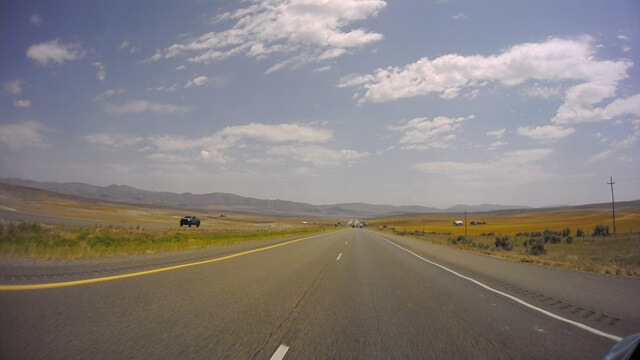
(190, 220)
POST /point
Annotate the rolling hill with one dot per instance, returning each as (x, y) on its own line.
(231, 202)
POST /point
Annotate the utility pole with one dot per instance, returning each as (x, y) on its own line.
(465, 223)
(613, 207)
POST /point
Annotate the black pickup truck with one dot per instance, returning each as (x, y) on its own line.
(190, 220)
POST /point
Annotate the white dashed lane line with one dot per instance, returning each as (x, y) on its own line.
(339, 256)
(280, 353)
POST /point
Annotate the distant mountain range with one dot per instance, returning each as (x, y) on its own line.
(230, 202)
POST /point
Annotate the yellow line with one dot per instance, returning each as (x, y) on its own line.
(141, 273)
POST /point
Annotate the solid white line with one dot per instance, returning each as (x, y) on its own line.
(280, 353)
(339, 256)
(557, 317)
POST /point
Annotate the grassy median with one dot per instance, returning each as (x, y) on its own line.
(35, 240)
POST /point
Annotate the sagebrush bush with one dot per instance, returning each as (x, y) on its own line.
(601, 230)
(579, 233)
(550, 236)
(503, 243)
(536, 247)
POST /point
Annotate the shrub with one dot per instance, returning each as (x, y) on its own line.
(550, 236)
(503, 243)
(463, 240)
(460, 239)
(566, 232)
(601, 230)
(569, 240)
(579, 233)
(32, 227)
(536, 247)
(536, 234)
(550, 232)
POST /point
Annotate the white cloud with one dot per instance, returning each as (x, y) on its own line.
(422, 133)
(126, 45)
(459, 16)
(616, 146)
(544, 92)
(323, 69)
(197, 81)
(521, 166)
(302, 170)
(36, 20)
(169, 143)
(166, 157)
(495, 145)
(241, 139)
(619, 107)
(109, 93)
(214, 156)
(22, 135)
(112, 140)
(54, 52)
(545, 134)
(305, 31)
(140, 106)
(622, 37)
(497, 133)
(204, 80)
(355, 80)
(21, 103)
(165, 88)
(181, 67)
(12, 87)
(101, 73)
(555, 60)
(317, 155)
(278, 133)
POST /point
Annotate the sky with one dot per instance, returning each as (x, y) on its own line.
(413, 102)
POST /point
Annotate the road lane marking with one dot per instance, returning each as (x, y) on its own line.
(521, 302)
(339, 256)
(146, 272)
(346, 242)
(280, 353)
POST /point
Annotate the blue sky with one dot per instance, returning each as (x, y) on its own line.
(411, 102)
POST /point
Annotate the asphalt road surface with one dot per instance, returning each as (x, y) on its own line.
(346, 294)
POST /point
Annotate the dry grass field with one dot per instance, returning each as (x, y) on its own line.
(39, 224)
(627, 221)
(603, 254)
(37, 203)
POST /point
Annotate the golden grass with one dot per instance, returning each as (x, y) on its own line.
(597, 254)
(627, 221)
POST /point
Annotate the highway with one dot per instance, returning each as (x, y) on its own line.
(348, 294)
